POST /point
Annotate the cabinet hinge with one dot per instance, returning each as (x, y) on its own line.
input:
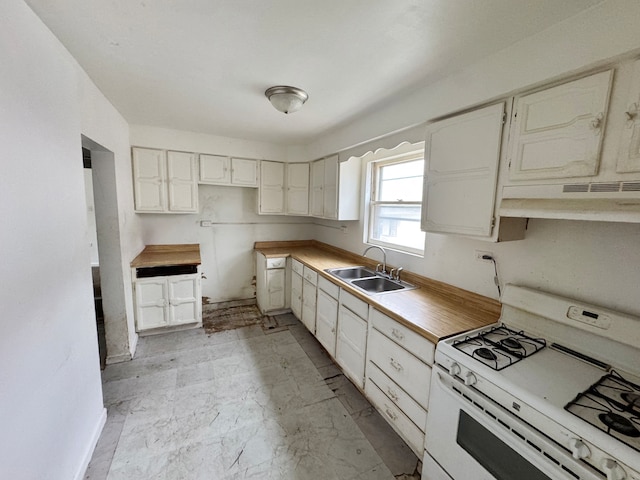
(504, 117)
(493, 222)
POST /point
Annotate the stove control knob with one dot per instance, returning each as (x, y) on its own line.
(579, 449)
(454, 369)
(470, 379)
(613, 470)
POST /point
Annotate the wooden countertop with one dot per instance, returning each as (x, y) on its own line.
(435, 310)
(167, 255)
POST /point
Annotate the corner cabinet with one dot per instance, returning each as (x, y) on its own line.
(462, 156)
(335, 188)
(164, 181)
(297, 189)
(271, 192)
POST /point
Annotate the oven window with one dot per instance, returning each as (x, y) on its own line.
(493, 454)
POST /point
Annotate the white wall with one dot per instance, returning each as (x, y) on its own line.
(594, 261)
(228, 261)
(51, 407)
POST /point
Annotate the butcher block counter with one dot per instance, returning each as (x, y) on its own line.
(164, 255)
(434, 310)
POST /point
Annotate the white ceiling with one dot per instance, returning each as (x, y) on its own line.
(203, 65)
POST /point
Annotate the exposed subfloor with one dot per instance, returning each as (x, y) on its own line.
(254, 402)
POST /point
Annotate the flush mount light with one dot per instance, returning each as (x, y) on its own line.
(286, 99)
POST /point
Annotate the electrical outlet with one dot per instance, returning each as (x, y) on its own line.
(479, 254)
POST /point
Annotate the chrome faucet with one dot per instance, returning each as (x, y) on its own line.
(384, 257)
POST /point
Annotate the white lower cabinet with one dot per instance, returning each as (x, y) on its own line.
(309, 281)
(398, 373)
(167, 301)
(271, 280)
(327, 314)
(351, 341)
(296, 293)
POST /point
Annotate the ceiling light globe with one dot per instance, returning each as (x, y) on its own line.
(286, 99)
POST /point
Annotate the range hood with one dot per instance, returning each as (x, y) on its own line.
(596, 201)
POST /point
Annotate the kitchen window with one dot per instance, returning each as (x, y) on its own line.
(396, 202)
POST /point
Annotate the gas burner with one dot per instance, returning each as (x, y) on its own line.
(511, 343)
(485, 353)
(632, 399)
(619, 424)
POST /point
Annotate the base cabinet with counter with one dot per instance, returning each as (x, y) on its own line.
(167, 288)
(327, 314)
(271, 281)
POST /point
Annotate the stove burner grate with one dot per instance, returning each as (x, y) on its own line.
(619, 424)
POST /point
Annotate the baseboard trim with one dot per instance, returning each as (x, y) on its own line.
(92, 445)
(123, 357)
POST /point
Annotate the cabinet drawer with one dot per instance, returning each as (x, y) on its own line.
(328, 287)
(276, 262)
(399, 397)
(354, 304)
(414, 343)
(296, 266)
(398, 420)
(310, 275)
(410, 373)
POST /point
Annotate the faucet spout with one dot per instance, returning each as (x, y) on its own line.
(384, 256)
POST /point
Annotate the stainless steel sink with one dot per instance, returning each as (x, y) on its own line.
(369, 281)
(352, 273)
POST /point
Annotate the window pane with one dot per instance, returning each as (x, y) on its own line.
(398, 224)
(401, 181)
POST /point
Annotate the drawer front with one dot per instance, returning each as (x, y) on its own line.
(398, 420)
(276, 262)
(310, 275)
(296, 266)
(416, 344)
(354, 304)
(399, 397)
(411, 374)
(330, 288)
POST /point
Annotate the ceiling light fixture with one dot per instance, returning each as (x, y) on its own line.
(286, 99)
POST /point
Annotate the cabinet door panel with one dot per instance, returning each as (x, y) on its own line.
(183, 299)
(276, 288)
(214, 169)
(271, 187)
(462, 155)
(151, 302)
(182, 182)
(557, 132)
(309, 305)
(296, 295)
(298, 188)
(244, 172)
(149, 180)
(326, 320)
(629, 159)
(351, 345)
(331, 187)
(317, 188)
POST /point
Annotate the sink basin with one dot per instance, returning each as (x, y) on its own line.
(377, 285)
(352, 273)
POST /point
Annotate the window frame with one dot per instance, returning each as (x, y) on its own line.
(374, 169)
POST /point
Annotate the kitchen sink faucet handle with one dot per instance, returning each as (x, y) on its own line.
(398, 270)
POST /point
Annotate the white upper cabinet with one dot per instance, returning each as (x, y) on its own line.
(462, 155)
(335, 188)
(629, 156)
(164, 182)
(271, 191)
(220, 170)
(297, 189)
(557, 132)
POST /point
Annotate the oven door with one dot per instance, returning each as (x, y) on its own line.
(470, 436)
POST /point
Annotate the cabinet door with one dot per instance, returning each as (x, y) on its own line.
(298, 188)
(214, 169)
(275, 289)
(629, 158)
(462, 155)
(326, 320)
(149, 174)
(244, 172)
(351, 345)
(271, 187)
(331, 187)
(557, 132)
(183, 299)
(296, 294)
(151, 303)
(182, 182)
(317, 188)
(309, 305)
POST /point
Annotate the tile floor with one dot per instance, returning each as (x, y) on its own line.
(247, 403)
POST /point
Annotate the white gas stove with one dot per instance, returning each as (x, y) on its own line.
(551, 392)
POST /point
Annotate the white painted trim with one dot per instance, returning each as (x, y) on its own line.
(133, 345)
(92, 445)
